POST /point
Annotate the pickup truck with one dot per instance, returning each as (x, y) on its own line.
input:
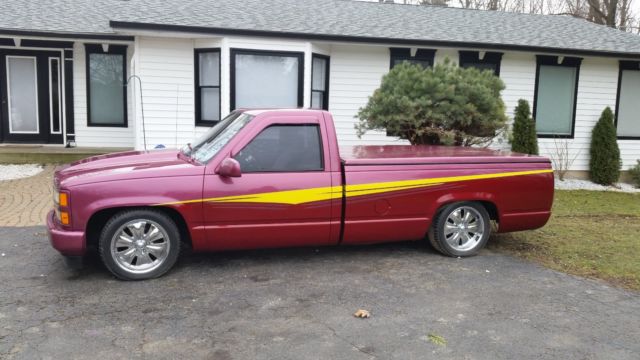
(276, 178)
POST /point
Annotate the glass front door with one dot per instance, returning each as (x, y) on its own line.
(30, 90)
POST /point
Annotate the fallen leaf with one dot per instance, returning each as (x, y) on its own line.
(437, 339)
(362, 314)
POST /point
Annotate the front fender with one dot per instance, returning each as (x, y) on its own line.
(87, 200)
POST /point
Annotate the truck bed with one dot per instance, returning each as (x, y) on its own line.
(429, 154)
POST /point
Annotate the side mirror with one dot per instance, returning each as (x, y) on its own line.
(229, 168)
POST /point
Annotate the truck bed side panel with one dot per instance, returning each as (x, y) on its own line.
(398, 202)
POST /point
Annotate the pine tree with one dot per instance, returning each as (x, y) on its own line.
(524, 139)
(443, 104)
(604, 165)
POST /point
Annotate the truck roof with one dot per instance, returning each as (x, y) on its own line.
(429, 154)
(280, 111)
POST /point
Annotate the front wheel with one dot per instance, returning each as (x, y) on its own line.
(139, 244)
(460, 229)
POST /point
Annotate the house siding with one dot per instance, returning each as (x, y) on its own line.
(355, 72)
(166, 66)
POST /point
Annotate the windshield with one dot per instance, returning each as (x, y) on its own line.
(209, 144)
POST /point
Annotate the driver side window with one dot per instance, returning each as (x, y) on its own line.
(283, 148)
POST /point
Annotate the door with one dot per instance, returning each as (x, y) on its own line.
(284, 196)
(31, 96)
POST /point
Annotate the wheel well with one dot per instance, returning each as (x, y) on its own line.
(491, 208)
(99, 219)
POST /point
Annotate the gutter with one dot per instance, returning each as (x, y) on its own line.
(66, 35)
(126, 25)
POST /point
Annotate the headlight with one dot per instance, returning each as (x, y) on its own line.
(61, 201)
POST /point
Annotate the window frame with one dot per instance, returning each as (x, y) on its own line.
(325, 92)
(405, 54)
(198, 88)
(494, 58)
(322, 163)
(548, 60)
(113, 50)
(624, 65)
(237, 51)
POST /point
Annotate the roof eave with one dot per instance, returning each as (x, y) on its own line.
(126, 25)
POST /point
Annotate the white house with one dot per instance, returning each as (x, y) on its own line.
(190, 62)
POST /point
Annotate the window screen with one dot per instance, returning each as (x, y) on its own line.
(319, 82)
(628, 115)
(106, 89)
(207, 86)
(266, 80)
(283, 148)
(555, 100)
(490, 61)
(422, 57)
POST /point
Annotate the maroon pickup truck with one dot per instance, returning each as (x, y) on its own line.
(275, 178)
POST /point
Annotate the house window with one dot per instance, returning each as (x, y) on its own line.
(422, 57)
(283, 148)
(320, 82)
(489, 60)
(556, 90)
(207, 80)
(266, 79)
(106, 89)
(628, 106)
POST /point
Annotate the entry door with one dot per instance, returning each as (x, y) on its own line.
(31, 96)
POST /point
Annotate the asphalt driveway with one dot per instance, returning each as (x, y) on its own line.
(298, 303)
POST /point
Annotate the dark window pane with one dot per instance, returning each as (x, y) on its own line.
(317, 100)
(283, 148)
(266, 81)
(424, 63)
(54, 78)
(209, 68)
(629, 104)
(555, 101)
(482, 66)
(106, 89)
(319, 74)
(210, 104)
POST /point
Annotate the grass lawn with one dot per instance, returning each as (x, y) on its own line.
(591, 233)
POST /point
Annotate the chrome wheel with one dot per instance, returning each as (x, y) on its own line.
(464, 228)
(140, 246)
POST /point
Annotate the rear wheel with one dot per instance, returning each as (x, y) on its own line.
(460, 229)
(139, 244)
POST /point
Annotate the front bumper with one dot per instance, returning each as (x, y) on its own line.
(69, 243)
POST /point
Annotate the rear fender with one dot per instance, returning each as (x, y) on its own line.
(453, 197)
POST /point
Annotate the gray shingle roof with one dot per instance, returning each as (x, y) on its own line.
(323, 17)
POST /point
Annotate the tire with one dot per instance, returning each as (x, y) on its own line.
(460, 229)
(139, 244)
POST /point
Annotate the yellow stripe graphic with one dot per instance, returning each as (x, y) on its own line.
(295, 197)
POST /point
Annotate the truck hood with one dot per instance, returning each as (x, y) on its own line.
(124, 166)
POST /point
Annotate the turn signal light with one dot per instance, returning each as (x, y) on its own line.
(63, 200)
(64, 218)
